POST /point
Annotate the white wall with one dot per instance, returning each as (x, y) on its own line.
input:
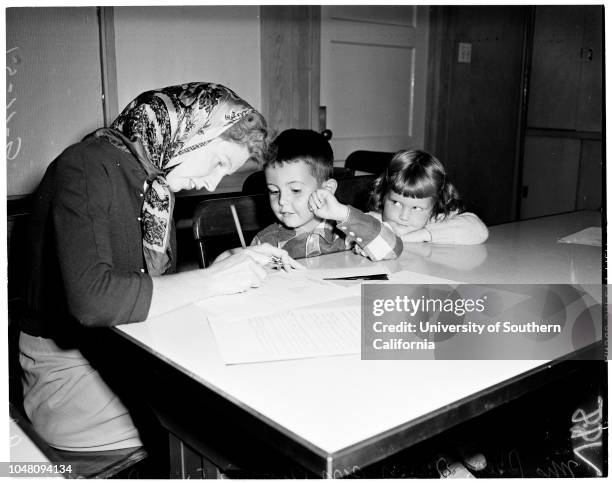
(162, 46)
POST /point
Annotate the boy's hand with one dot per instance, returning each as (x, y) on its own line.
(324, 204)
(266, 254)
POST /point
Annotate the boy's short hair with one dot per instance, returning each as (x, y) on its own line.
(310, 147)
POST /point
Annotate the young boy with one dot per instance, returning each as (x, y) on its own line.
(311, 221)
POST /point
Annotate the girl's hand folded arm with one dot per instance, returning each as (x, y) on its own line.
(459, 229)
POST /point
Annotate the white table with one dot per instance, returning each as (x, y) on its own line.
(336, 414)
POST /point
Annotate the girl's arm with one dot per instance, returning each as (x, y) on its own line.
(457, 229)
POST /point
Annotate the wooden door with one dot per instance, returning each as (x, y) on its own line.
(475, 103)
(562, 163)
(373, 76)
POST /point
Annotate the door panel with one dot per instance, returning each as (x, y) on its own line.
(555, 69)
(590, 97)
(551, 179)
(590, 183)
(373, 76)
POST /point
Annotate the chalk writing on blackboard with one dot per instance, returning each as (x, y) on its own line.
(353, 472)
(507, 464)
(15, 439)
(13, 144)
(587, 432)
(558, 469)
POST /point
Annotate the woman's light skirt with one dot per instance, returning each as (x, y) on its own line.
(67, 401)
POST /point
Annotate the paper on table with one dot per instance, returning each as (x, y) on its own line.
(406, 276)
(280, 291)
(589, 236)
(295, 334)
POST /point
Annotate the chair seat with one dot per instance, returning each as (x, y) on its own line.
(100, 464)
(83, 464)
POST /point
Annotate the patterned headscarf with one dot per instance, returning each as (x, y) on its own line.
(158, 127)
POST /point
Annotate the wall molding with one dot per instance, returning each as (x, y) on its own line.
(290, 65)
(108, 64)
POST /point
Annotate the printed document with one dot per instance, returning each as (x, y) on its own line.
(294, 334)
(280, 291)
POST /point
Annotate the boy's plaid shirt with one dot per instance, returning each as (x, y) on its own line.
(362, 232)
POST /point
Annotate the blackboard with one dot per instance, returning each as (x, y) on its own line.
(53, 87)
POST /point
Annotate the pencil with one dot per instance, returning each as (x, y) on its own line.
(238, 228)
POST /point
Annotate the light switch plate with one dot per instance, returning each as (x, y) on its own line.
(465, 53)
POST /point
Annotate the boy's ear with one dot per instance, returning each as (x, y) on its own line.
(331, 185)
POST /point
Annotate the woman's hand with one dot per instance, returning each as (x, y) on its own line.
(236, 273)
(265, 254)
(324, 204)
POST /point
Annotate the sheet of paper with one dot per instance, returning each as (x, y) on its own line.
(406, 276)
(589, 236)
(294, 334)
(280, 291)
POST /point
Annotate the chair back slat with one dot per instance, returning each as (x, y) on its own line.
(368, 161)
(256, 182)
(355, 191)
(212, 219)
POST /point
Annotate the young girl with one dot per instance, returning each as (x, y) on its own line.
(414, 196)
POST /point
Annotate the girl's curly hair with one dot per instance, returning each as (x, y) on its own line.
(416, 174)
(252, 131)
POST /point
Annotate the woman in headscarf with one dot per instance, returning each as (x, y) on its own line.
(101, 236)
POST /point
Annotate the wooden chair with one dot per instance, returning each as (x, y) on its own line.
(213, 225)
(368, 161)
(355, 191)
(254, 184)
